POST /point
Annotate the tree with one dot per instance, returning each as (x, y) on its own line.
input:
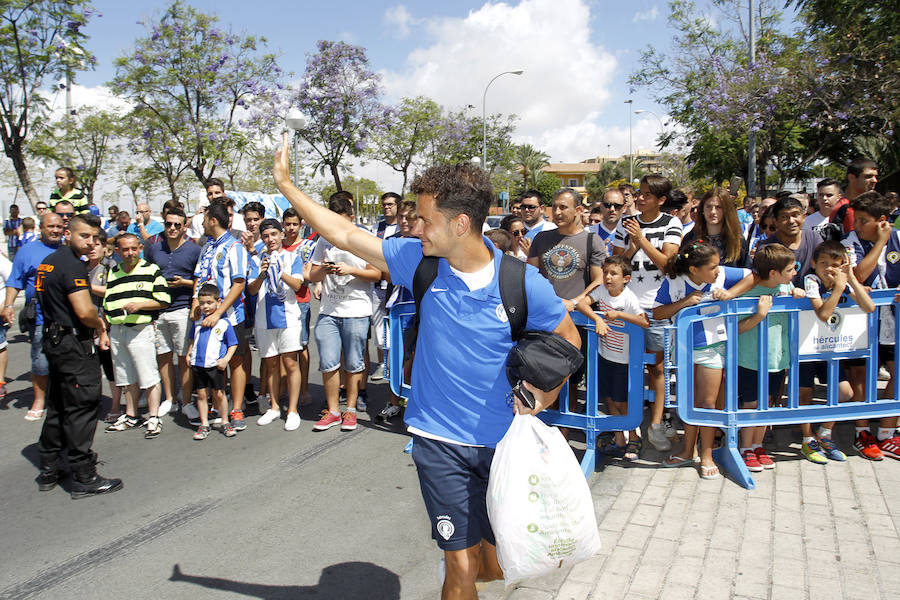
(340, 96)
(190, 81)
(363, 190)
(37, 38)
(597, 183)
(404, 136)
(459, 138)
(545, 183)
(80, 141)
(529, 161)
(137, 177)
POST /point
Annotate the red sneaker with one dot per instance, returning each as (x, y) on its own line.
(866, 445)
(764, 459)
(752, 462)
(349, 421)
(328, 420)
(891, 447)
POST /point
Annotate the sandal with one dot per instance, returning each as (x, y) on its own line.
(633, 450)
(709, 472)
(672, 461)
(35, 415)
(614, 450)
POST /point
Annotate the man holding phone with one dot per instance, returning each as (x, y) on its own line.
(176, 256)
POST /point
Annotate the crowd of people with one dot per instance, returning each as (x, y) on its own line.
(185, 298)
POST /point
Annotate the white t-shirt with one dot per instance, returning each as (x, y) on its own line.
(815, 221)
(614, 345)
(342, 295)
(646, 277)
(478, 279)
(5, 270)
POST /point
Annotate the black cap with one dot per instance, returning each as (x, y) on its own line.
(270, 224)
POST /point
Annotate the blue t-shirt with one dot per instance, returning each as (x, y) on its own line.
(24, 270)
(152, 228)
(179, 263)
(709, 331)
(211, 343)
(459, 385)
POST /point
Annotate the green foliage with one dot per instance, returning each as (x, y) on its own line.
(529, 161)
(189, 80)
(360, 187)
(460, 138)
(411, 127)
(38, 38)
(597, 183)
(81, 142)
(545, 183)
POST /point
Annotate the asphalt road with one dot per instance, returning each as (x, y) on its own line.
(266, 514)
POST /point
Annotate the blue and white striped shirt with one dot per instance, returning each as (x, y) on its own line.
(223, 262)
(211, 343)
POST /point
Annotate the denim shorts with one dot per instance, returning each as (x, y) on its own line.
(654, 336)
(304, 324)
(347, 334)
(39, 364)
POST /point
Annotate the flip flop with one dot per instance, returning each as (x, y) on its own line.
(673, 461)
(35, 415)
(709, 472)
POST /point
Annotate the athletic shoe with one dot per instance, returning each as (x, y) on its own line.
(348, 421)
(202, 433)
(154, 428)
(830, 449)
(2, 390)
(214, 418)
(270, 415)
(891, 447)
(867, 446)
(361, 404)
(292, 422)
(165, 407)
(327, 421)
(123, 423)
(391, 410)
(191, 413)
(764, 459)
(377, 374)
(656, 435)
(883, 374)
(228, 430)
(249, 394)
(813, 452)
(751, 461)
(670, 428)
(237, 420)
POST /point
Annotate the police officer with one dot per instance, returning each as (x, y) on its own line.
(74, 396)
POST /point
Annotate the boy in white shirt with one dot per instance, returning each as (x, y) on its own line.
(275, 276)
(616, 303)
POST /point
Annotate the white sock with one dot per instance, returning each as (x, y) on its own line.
(351, 410)
(755, 446)
(807, 440)
(742, 450)
(885, 433)
(824, 433)
(859, 430)
(336, 414)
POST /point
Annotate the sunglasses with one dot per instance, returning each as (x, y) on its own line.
(41, 208)
(518, 232)
(529, 206)
(613, 205)
(175, 225)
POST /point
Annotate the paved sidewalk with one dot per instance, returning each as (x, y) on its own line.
(806, 531)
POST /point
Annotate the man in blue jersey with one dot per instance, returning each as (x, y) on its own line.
(533, 214)
(223, 262)
(459, 407)
(24, 272)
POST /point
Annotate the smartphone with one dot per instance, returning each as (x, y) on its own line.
(524, 396)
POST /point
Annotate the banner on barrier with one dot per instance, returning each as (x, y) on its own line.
(845, 330)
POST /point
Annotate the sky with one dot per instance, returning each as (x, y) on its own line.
(576, 56)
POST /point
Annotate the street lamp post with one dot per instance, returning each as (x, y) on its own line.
(630, 104)
(751, 135)
(296, 121)
(641, 111)
(484, 114)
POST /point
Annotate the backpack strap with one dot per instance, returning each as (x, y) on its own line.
(587, 259)
(512, 294)
(426, 272)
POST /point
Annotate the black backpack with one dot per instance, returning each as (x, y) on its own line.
(512, 293)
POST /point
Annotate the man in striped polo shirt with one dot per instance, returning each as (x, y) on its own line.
(223, 262)
(135, 291)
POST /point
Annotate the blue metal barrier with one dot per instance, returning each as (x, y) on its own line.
(592, 421)
(732, 418)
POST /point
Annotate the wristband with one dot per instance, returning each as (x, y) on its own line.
(10, 306)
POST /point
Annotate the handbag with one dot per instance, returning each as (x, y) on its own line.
(542, 358)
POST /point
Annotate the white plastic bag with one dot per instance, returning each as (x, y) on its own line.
(539, 503)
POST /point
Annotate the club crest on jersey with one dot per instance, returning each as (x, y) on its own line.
(893, 257)
(445, 528)
(501, 313)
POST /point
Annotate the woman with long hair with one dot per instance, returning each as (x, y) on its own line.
(717, 224)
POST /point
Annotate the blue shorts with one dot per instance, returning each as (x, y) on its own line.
(39, 364)
(612, 378)
(304, 324)
(654, 336)
(454, 480)
(748, 386)
(337, 334)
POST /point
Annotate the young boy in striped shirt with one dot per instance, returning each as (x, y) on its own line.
(211, 350)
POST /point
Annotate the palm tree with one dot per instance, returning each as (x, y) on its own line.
(530, 161)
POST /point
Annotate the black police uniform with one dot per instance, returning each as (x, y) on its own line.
(73, 397)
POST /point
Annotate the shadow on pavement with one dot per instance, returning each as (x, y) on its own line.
(344, 581)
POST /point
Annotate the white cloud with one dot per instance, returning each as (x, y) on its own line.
(562, 94)
(646, 15)
(399, 19)
(98, 97)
